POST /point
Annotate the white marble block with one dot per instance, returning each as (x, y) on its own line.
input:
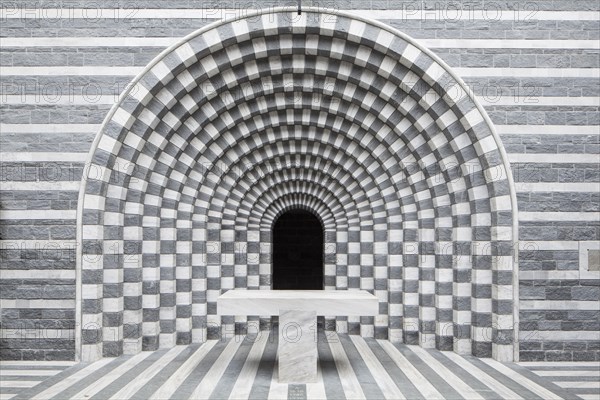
(297, 346)
(298, 310)
(325, 302)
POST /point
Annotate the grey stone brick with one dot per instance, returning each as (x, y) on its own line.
(558, 293)
(559, 356)
(532, 293)
(577, 346)
(585, 293)
(532, 356)
(584, 356)
(549, 325)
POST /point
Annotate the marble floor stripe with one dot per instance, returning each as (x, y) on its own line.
(90, 380)
(316, 391)
(35, 374)
(561, 374)
(592, 396)
(331, 378)
(349, 367)
(149, 374)
(73, 379)
(37, 364)
(574, 378)
(190, 384)
(578, 385)
(427, 371)
(351, 385)
(546, 390)
(496, 387)
(19, 384)
(512, 384)
(409, 390)
(453, 377)
(184, 367)
(474, 379)
(389, 389)
(363, 373)
(243, 384)
(231, 369)
(277, 390)
(560, 364)
(123, 378)
(264, 374)
(581, 379)
(113, 374)
(17, 377)
(47, 383)
(422, 384)
(49, 369)
(14, 373)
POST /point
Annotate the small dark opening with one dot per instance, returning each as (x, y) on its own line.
(297, 252)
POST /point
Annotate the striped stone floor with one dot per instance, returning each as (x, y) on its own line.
(350, 367)
(19, 376)
(580, 378)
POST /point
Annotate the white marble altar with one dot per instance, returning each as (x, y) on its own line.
(297, 311)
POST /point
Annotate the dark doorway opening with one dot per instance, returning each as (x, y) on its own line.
(297, 251)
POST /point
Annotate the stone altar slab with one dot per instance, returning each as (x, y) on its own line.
(324, 302)
(297, 311)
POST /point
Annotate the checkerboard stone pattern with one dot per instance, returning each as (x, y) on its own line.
(252, 117)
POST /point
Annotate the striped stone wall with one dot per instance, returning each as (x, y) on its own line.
(535, 71)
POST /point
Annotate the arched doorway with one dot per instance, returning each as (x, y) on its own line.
(297, 251)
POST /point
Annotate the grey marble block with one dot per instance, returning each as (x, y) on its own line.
(297, 346)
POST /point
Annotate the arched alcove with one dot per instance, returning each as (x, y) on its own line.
(297, 251)
(345, 117)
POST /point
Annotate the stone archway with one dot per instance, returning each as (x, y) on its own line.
(252, 116)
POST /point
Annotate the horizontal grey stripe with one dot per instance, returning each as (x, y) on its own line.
(147, 11)
(21, 378)
(49, 368)
(550, 367)
(560, 5)
(575, 379)
(13, 390)
(585, 391)
(164, 41)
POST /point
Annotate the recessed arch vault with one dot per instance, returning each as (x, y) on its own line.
(326, 111)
